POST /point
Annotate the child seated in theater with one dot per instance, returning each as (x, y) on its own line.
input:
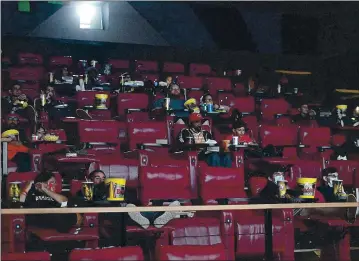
(207, 99)
(16, 151)
(194, 134)
(40, 193)
(239, 130)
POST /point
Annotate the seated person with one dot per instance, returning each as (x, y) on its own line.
(238, 130)
(16, 151)
(194, 134)
(15, 102)
(13, 122)
(62, 75)
(304, 116)
(144, 219)
(40, 193)
(207, 99)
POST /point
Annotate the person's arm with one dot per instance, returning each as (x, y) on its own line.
(57, 197)
(25, 191)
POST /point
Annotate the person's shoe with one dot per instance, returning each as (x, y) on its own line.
(138, 218)
(167, 216)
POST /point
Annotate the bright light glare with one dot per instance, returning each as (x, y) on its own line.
(86, 12)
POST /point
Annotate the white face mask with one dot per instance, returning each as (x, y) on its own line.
(278, 176)
(330, 178)
(356, 143)
(342, 158)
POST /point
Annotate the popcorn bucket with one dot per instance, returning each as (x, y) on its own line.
(100, 101)
(307, 187)
(116, 189)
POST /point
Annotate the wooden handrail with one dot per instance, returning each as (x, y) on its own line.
(22, 211)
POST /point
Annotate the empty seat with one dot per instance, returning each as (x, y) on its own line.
(28, 256)
(196, 69)
(119, 64)
(270, 107)
(215, 252)
(225, 98)
(148, 77)
(244, 104)
(26, 73)
(146, 66)
(190, 82)
(137, 101)
(314, 139)
(96, 131)
(30, 58)
(216, 84)
(55, 61)
(171, 67)
(221, 185)
(108, 254)
(146, 132)
(164, 183)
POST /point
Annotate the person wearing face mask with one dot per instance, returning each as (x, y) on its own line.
(99, 192)
(348, 151)
(41, 193)
(304, 116)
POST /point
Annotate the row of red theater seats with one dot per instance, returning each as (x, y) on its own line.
(215, 252)
(236, 230)
(117, 64)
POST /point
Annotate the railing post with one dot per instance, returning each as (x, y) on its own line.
(4, 167)
(268, 225)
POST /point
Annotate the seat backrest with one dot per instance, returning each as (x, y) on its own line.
(30, 58)
(196, 231)
(131, 101)
(347, 170)
(146, 132)
(119, 64)
(189, 82)
(278, 135)
(244, 104)
(87, 98)
(110, 254)
(305, 169)
(25, 177)
(216, 83)
(221, 183)
(29, 256)
(171, 67)
(269, 107)
(146, 66)
(314, 136)
(162, 183)
(27, 73)
(60, 60)
(215, 252)
(225, 98)
(199, 69)
(100, 131)
(252, 124)
(256, 184)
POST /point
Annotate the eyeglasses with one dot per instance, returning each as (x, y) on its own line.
(13, 118)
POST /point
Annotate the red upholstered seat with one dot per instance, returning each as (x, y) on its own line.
(270, 107)
(314, 138)
(348, 171)
(119, 64)
(100, 131)
(139, 101)
(146, 66)
(214, 252)
(171, 67)
(30, 58)
(108, 254)
(87, 98)
(199, 69)
(221, 183)
(190, 82)
(60, 60)
(28, 256)
(215, 84)
(164, 183)
(26, 73)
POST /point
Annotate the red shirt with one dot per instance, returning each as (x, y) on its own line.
(243, 138)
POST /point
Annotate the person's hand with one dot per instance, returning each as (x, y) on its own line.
(22, 97)
(312, 113)
(216, 106)
(41, 186)
(28, 186)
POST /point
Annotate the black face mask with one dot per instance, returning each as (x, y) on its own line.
(100, 191)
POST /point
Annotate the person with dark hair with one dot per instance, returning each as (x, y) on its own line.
(304, 116)
(16, 102)
(62, 75)
(99, 191)
(174, 94)
(207, 99)
(41, 193)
